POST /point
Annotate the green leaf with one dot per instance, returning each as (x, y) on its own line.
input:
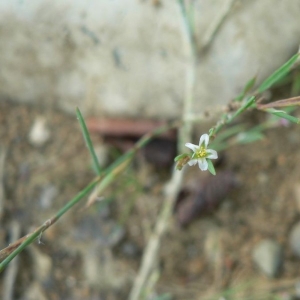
(88, 141)
(296, 84)
(284, 115)
(249, 85)
(247, 104)
(278, 74)
(211, 167)
(211, 131)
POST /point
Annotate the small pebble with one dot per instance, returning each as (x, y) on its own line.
(102, 153)
(295, 239)
(48, 194)
(262, 178)
(267, 255)
(39, 133)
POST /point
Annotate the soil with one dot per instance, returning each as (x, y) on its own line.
(94, 253)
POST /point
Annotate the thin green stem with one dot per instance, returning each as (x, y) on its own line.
(88, 141)
(186, 129)
(189, 21)
(226, 118)
(27, 242)
(77, 198)
(242, 108)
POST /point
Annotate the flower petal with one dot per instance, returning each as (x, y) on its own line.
(192, 146)
(204, 138)
(212, 154)
(203, 165)
(192, 162)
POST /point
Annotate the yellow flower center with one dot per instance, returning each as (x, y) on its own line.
(201, 152)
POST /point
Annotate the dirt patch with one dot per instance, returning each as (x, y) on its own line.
(95, 253)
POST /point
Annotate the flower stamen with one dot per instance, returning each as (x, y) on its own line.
(201, 152)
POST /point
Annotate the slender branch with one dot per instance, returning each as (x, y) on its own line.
(217, 23)
(185, 131)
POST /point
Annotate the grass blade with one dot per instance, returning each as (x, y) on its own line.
(249, 85)
(31, 237)
(278, 74)
(284, 115)
(88, 141)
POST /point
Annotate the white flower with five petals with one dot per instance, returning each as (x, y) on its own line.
(201, 153)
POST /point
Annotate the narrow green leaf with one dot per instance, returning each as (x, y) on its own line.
(284, 115)
(211, 131)
(249, 85)
(296, 84)
(248, 103)
(278, 74)
(88, 141)
(211, 167)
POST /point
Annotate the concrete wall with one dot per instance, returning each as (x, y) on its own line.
(127, 58)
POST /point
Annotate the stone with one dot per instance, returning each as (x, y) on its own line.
(267, 255)
(39, 133)
(48, 194)
(76, 54)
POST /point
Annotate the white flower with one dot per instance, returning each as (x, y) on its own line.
(201, 153)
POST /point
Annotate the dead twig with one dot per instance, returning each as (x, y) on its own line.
(150, 254)
(280, 103)
(149, 260)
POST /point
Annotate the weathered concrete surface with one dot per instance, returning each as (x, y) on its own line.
(127, 58)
